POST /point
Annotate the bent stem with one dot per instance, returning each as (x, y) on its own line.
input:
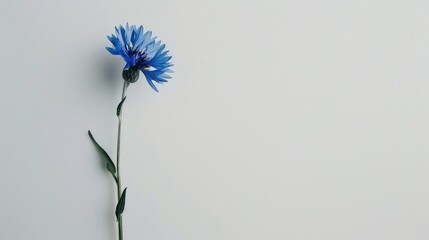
(119, 188)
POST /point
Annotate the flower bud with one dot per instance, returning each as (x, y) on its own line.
(131, 75)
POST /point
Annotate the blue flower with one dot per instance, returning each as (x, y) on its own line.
(141, 52)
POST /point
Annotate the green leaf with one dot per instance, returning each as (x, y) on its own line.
(119, 108)
(121, 205)
(109, 163)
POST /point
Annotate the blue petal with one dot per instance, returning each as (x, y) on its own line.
(124, 35)
(128, 32)
(152, 49)
(165, 76)
(112, 39)
(149, 80)
(145, 40)
(139, 36)
(133, 37)
(112, 51)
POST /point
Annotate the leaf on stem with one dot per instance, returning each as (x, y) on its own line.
(109, 163)
(121, 205)
(119, 108)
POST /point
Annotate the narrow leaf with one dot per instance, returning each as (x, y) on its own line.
(121, 205)
(109, 163)
(119, 108)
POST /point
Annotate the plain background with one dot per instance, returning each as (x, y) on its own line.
(294, 120)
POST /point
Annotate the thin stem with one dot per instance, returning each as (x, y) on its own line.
(120, 231)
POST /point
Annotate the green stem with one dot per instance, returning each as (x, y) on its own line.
(119, 188)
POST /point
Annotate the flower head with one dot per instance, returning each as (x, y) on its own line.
(141, 52)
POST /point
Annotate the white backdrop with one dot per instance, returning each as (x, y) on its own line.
(295, 120)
